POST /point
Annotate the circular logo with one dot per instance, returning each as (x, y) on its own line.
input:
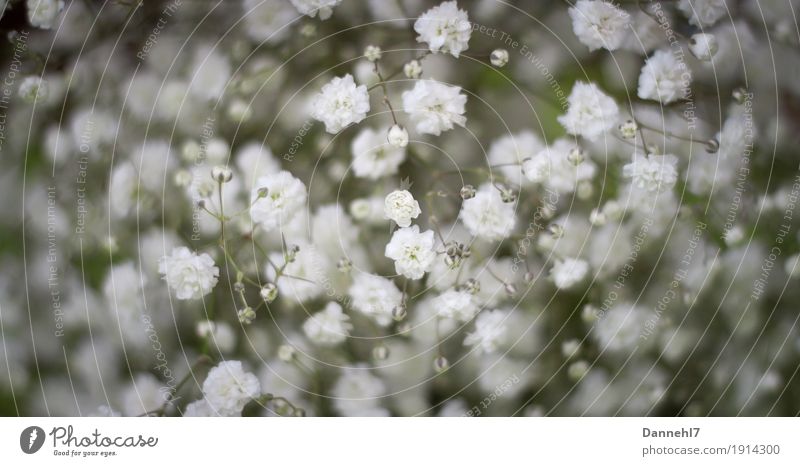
(31, 439)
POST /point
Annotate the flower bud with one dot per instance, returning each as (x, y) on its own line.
(499, 57)
(589, 314)
(472, 286)
(740, 95)
(262, 192)
(286, 353)
(398, 136)
(597, 217)
(628, 129)
(703, 46)
(510, 289)
(570, 348)
(399, 312)
(380, 353)
(239, 111)
(221, 174)
(575, 156)
(246, 315)
(712, 146)
(441, 364)
(508, 195)
(577, 370)
(556, 230)
(344, 265)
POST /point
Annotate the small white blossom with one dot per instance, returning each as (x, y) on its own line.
(703, 46)
(340, 103)
(283, 196)
(228, 388)
(591, 112)
(567, 273)
(373, 156)
(375, 297)
(401, 207)
(599, 24)
(44, 13)
(329, 327)
(312, 7)
(199, 408)
(372, 53)
(358, 393)
(508, 153)
(192, 276)
(486, 215)
(435, 107)
(490, 331)
(412, 69)
(454, 304)
(397, 136)
(664, 78)
(653, 173)
(445, 28)
(553, 168)
(703, 12)
(267, 21)
(33, 88)
(411, 251)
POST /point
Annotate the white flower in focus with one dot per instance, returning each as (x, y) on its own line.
(456, 304)
(591, 112)
(358, 393)
(192, 276)
(703, 12)
(329, 327)
(340, 103)
(375, 297)
(490, 332)
(397, 136)
(373, 156)
(44, 13)
(486, 215)
(599, 24)
(703, 46)
(552, 167)
(33, 88)
(311, 7)
(664, 78)
(445, 28)
(567, 273)
(653, 173)
(228, 388)
(283, 196)
(401, 207)
(434, 107)
(411, 251)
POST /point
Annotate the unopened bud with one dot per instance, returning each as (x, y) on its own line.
(380, 353)
(499, 57)
(399, 312)
(441, 364)
(269, 292)
(467, 192)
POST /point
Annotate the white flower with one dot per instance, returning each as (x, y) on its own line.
(508, 152)
(412, 69)
(44, 13)
(329, 327)
(454, 304)
(358, 393)
(703, 12)
(375, 297)
(490, 332)
(434, 107)
(401, 207)
(372, 53)
(373, 156)
(33, 88)
(192, 276)
(599, 24)
(567, 273)
(284, 196)
(311, 7)
(369, 210)
(486, 215)
(444, 28)
(411, 251)
(228, 388)
(653, 173)
(220, 334)
(591, 112)
(340, 103)
(397, 136)
(664, 78)
(552, 167)
(199, 408)
(703, 46)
